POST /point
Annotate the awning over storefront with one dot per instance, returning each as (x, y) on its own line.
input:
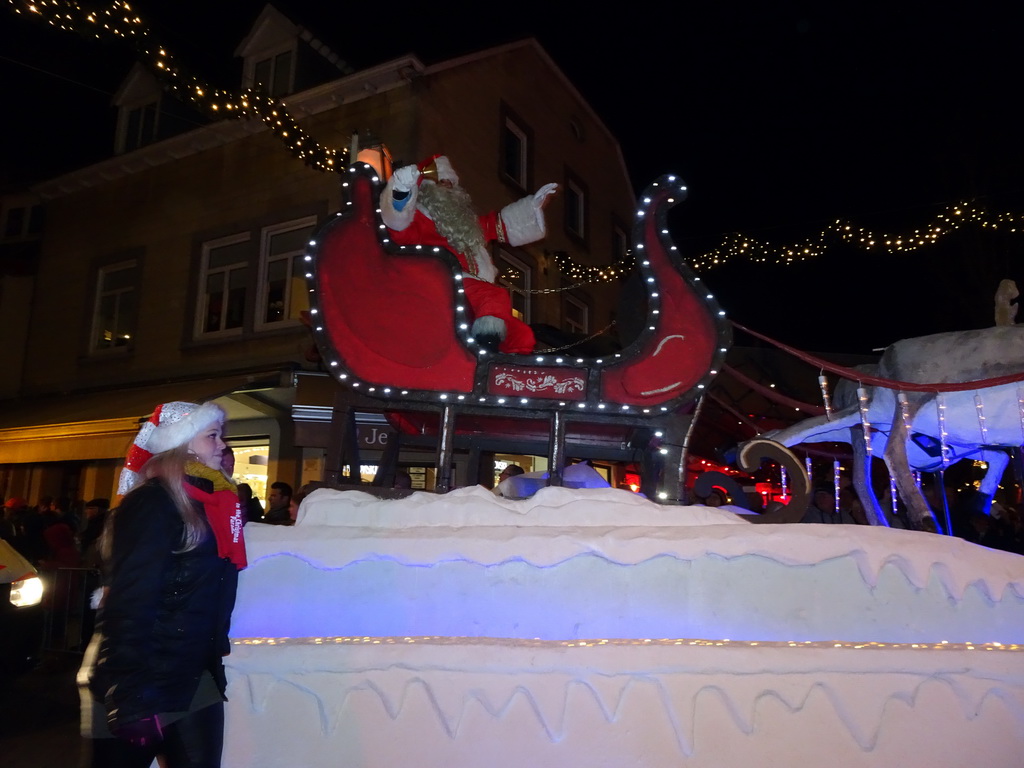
(102, 439)
(100, 425)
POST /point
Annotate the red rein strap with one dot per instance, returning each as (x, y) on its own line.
(878, 381)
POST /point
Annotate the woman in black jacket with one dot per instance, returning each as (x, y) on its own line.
(153, 673)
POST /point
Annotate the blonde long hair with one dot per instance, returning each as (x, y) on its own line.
(169, 468)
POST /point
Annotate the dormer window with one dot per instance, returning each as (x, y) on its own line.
(140, 126)
(138, 116)
(272, 76)
(280, 57)
(269, 54)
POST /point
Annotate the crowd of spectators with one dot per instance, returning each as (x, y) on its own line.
(54, 533)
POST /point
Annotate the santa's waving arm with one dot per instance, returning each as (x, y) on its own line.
(398, 202)
(522, 222)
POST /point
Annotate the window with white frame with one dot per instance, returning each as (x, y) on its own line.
(272, 76)
(283, 293)
(223, 285)
(575, 316)
(515, 150)
(114, 311)
(575, 208)
(515, 274)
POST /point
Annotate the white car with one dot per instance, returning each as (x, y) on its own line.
(21, 613)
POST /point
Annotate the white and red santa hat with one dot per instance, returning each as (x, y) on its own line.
(172, 424)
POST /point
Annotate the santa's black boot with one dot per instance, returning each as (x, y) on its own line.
(489, 332)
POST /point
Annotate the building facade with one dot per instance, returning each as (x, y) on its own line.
(171, 270)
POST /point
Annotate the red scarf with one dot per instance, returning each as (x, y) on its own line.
(224, 514)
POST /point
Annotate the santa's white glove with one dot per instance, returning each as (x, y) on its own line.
(542, 195)
(406, 177)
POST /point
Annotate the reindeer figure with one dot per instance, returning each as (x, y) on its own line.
(933, 429)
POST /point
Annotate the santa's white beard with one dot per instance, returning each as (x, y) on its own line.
(452, 212)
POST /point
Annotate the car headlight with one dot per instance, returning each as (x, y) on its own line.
(27, 592)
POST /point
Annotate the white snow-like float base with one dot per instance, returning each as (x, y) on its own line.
(454, 702)
(405, 633)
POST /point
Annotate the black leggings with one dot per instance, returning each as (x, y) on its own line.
(195, 741)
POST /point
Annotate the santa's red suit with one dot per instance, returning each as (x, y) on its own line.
(519, 223)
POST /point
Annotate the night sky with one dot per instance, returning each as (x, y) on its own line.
(781, 117)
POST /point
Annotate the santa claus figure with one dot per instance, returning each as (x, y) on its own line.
(424, 205)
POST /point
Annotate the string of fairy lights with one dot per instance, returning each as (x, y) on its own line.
(581, 274)
(951, 219)
(743, 247)
(121, 22)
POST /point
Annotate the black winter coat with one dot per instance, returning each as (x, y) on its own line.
(166, 614)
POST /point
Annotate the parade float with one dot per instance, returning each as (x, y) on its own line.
(595, 627)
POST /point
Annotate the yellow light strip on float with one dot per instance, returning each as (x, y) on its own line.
(537, 643)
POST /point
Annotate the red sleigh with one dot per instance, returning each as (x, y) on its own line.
(391, 322)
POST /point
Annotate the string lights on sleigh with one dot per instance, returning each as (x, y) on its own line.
(667, 187)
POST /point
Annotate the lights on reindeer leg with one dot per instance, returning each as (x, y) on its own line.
(901, 398)
(836, 479)
(943, 435)
(862, 402)
(1020, 407)
(979, 408)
